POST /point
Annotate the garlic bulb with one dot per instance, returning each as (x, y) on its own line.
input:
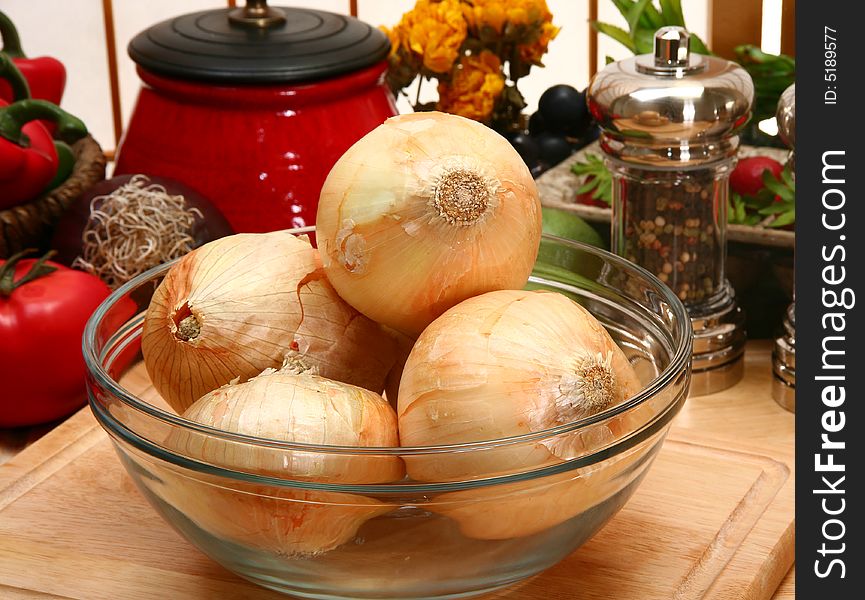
(426, 210)
(507, 363)
(237, 305)
(286, 406)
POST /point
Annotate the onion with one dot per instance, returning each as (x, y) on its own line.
(508, 363)
(303, 408)
(238, 305)
(522, 508)
(503, 364)
(286, 406)
(426, 210)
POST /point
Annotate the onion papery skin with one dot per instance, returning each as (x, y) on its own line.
(523, 508)
(288, 522)
(285, 406)
(500, 365)
(402, 242)
(255, 298)
(505, 364)
(302, 408)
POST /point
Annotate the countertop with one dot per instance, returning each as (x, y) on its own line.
(744, 413)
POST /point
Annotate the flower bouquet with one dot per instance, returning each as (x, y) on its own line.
(476, 50)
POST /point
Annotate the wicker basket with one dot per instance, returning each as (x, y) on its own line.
(31, 225)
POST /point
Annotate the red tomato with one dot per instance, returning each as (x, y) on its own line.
(41, 323)
(747, 178)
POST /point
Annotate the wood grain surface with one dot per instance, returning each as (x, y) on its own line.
(713, 519)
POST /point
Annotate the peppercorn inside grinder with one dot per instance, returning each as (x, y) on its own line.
(784, 353)
(669, 130)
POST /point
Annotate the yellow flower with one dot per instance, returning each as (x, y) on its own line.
(482, 13)
(394, 36)
(435, 31)
(476, 85)
(532, 53)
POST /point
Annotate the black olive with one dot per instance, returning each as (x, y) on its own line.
(536, 123)
(563, 109)
(525, 146)
(554, 148)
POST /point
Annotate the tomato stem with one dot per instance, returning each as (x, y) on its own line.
(38, 269)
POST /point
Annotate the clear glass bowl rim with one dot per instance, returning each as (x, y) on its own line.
(678, 362)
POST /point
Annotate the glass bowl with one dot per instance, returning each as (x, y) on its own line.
(489, 527)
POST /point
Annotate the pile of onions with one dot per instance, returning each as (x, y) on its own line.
(291, 406)
(429, 227)
(426, 210)
(238, 305)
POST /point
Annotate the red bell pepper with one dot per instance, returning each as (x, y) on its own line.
(28, 158)
(46, 75)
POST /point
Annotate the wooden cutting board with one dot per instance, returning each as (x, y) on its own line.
(709, 521)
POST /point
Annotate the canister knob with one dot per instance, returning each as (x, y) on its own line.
(257, 14)
(672, 47)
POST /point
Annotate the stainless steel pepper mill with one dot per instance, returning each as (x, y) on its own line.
(669, 130)
(784, 353)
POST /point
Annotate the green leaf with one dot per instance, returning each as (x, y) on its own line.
(624, 6)
(644, 40)
(653, 18)
(590, 185)
(774, 185)
(634, 14)
(671, 11)
(784, 219)
(698, 46)
(617, 33)
(787, 177)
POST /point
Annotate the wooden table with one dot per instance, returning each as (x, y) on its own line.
(741, 422)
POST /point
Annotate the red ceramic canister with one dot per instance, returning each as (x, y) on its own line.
(252, 107)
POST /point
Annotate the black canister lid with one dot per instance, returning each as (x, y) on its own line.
(287, 45)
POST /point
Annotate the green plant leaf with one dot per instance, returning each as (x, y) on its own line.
(653, 18)
(617, 33)
(699, 46)
(590, 185)
(784, 219)
(787, 177)
(634, 15)
(774, 185)
(671, 11)
(624, 6)
(644, 40)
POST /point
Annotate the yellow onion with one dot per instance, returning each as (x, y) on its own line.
(426, 210)
(502, 364)
(391, 386)
(239, 304)
(286, 406)
(524, 508)
(303, 408)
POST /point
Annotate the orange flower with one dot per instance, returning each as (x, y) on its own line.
(482, 13)
(532, 53)
(475, 87)
(435, 31)
(394, 36)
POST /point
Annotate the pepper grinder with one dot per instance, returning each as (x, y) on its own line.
(784, 353)
(669, 132)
